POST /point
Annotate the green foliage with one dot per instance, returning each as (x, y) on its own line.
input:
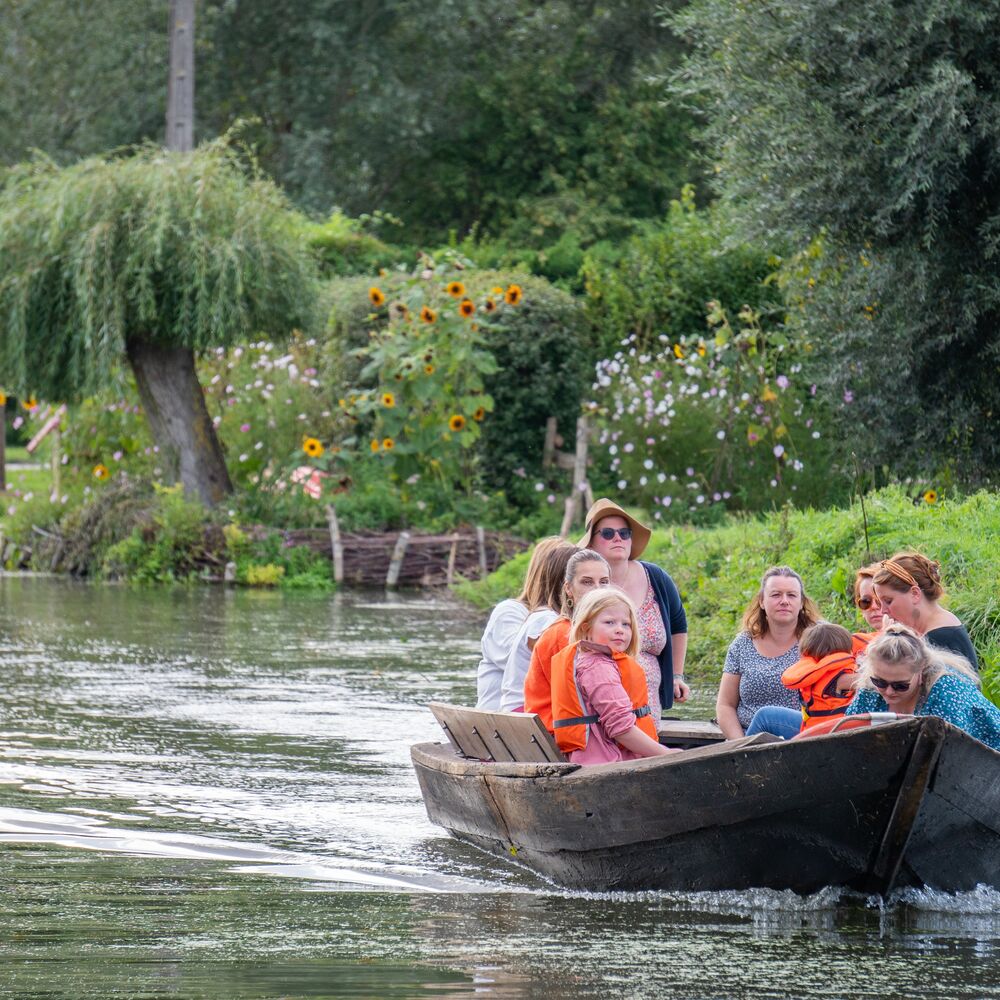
(875, 128)
(663, 278)
(183, 248)
(266, 559)
(343, 246)
(718, 569)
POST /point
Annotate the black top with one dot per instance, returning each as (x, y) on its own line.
(955, 639)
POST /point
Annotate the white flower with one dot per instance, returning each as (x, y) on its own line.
(648, 464)
(721, 435)
(622, 484)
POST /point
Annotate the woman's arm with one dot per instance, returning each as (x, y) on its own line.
(726, 703)
(679, 645)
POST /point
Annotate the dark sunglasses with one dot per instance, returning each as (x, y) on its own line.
(608, 533)
(866, 602)
(898, 686)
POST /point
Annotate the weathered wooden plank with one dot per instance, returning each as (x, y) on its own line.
(687, 732)
(502, 736)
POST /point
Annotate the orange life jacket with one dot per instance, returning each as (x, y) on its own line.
(860, 640)
(538, 683)
(816, 682)
(569, 723)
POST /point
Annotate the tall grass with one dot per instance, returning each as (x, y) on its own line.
(718, 569)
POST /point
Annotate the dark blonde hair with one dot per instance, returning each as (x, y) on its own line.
(824, 638)
(531, 590)
(550, 577)
(755, 619)
(910, 569)
(575, 561)
(901, 646)
(596, 601)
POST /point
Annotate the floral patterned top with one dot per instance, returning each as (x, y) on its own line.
(760, 677)
(652, 639)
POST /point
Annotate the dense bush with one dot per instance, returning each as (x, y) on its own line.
(343, 246)
(718, 569)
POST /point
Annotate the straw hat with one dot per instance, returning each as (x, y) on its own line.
(608, 508)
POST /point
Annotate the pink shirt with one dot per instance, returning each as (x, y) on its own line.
(602, 694)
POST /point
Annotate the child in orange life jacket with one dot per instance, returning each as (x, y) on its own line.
(600, 701)
(825, 675)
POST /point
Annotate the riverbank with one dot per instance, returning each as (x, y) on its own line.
(717, 569)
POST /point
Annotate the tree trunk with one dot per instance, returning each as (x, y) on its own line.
(178, 418)
(180, 83)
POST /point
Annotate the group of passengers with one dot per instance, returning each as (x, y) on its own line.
(595, 645)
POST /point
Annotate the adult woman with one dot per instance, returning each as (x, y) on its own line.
(908, 587)
(904, 674)
(620, 539)
(768, 644)
(585, 571)
(502, 628)
(544, 611)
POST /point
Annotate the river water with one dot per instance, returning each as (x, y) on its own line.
(207, 793)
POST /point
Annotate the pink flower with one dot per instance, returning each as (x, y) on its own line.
(117, 456)
(782, 381)
(848, 396)
(244, 428)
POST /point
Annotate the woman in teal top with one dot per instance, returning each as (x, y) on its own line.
(902, 673)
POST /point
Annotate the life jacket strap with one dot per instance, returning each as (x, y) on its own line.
(641, 713)
(587, 720)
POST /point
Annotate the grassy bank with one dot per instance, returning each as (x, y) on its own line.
(718, 569)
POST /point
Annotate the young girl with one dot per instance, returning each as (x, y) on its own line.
(600, 701)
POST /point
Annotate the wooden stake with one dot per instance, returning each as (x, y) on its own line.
(481, 542)
(396, 563)
(56, 460)
(549, 448)
(336, 544)
(3, 447)
(452, 553)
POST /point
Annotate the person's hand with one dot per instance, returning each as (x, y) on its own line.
(681, 691)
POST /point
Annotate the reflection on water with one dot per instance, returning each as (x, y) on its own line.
(208, 793)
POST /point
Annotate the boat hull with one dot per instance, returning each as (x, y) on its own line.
(869, 809)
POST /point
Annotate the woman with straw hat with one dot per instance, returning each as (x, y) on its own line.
(613, 533)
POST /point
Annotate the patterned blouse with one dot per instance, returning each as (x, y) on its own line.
(760, 677)
(652, 639)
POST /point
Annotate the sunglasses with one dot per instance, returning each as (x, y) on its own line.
(897, 686)
(867, 602)
(608, 533)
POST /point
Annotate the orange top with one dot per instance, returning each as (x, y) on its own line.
(538, 684)
(860, 640)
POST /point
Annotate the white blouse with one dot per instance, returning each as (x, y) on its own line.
(498, 640)
(512, 690)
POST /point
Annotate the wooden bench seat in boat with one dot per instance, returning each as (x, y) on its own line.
(520, 737)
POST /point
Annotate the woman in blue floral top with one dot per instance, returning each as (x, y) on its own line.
(904, 674)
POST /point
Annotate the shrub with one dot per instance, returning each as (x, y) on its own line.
(343, 247)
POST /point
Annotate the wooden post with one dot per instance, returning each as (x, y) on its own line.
(452, 555)
(3, 446)
(396, 563)
(336, 545)
(56, 461)
(481, 542)
(580, 486)
(180, 83)
(549, 448)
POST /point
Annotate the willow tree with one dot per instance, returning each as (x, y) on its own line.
(153, 257)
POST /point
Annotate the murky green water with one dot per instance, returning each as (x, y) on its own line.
(208, 794)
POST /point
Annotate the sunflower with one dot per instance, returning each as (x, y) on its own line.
(388, 444)
(3, 399)
(456, 289)
(30, 404)
(101, 471)
(513, 295)
(479, 414)
(400, 309)
(376, 295)
(398, 376)
(428, 315)
(678, 351)
(701, 350)
(428, 369)
(312, 447)
(931, 496)
(388, 400)
(466, 307)
(496, 290)
(456, 423)
(490, 306)
(374, 446)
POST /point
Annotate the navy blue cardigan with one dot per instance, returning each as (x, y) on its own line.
(674, 621)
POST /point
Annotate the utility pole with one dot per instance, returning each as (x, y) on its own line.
(180, 86)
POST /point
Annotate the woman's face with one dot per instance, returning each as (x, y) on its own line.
(781, 600)
(896, 673)
(897, 604)
(616, 548)
(868, 603)
(588, 576)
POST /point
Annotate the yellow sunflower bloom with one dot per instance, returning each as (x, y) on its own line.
(388, 444)
(3, 399)
(377, 296)
(479, 414)
(456, 423)
(30, 404)
(496, 290)
(388, 400)
(313, 447)
(374, 446)
(456, 289)
(428, 315)
(768, 395)
(101, 471)
(428, 369)
(513, 295)
(931, 496)
(490, 306)
(467, 307)
(678, 351)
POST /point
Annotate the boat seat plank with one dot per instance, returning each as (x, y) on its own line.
(686, 733)
(517, 737)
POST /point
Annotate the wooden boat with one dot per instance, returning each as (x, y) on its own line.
(914, 802)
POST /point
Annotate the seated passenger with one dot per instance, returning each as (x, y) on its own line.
(866, 601)
(903, 673)
(584, 571)
(600, 699)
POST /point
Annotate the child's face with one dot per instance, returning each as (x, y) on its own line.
(612, 627)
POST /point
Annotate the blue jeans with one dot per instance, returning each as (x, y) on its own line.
(783, 722)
